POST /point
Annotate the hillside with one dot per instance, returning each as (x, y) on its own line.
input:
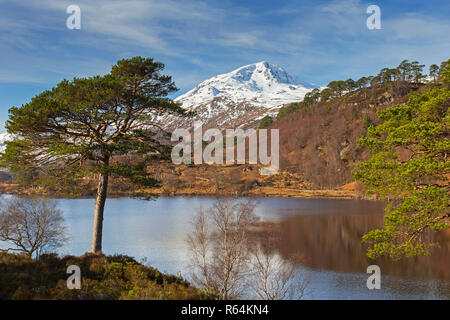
(320, 142)
(103, 278)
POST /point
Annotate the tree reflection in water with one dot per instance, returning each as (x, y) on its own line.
(333, 242)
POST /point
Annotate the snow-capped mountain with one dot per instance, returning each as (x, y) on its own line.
(3, 138)
(239, 98)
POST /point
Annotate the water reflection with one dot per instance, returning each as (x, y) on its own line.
(322, 236)
(333, 242)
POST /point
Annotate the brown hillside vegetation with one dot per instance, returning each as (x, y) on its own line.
(321, 142)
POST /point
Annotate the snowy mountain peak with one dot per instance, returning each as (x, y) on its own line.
(241, 97)
(4, 137)
(263, 72)
(264, 83)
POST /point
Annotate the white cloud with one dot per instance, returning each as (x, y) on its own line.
(209, 39)
(414, 27)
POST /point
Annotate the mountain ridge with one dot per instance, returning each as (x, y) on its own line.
(239, 98)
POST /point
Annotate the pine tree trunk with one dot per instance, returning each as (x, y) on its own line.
(98, 213)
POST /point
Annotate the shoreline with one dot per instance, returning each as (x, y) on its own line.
(260, 192)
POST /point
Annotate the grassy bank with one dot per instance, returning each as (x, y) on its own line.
(103, 277)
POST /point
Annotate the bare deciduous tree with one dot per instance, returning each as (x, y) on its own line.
(199, 244)
(219, 246)
(226, 259)
(32, 226)
(274, 277)
(230, 244)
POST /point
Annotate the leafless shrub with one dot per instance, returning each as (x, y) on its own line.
(216, 176)
(32, 226)
(170, 181)
(189, 176)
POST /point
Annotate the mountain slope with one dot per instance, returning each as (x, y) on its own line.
(239, 98)
(326, 149)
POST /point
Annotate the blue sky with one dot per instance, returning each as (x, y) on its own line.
(317, 41)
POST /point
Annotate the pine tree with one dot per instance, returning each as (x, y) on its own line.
(81, 126)
(415, 185)
(434, 68)
(362, 82)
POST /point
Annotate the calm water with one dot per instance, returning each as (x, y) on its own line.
(321, 236)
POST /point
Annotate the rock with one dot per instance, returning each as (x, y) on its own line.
(345, 154)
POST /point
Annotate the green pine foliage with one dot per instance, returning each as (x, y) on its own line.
(81, 126)
(406, 71)
(409, 168)
(266, 122)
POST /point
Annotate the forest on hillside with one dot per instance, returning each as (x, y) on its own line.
(319, 135)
